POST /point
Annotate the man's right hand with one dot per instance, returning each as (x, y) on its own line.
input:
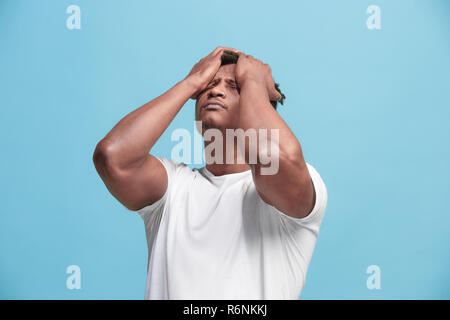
(205, 70)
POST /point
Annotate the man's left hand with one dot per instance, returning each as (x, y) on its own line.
(252, 69)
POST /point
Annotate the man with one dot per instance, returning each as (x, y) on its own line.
(227, 230)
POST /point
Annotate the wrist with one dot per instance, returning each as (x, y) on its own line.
(254, 83)
(190, 86)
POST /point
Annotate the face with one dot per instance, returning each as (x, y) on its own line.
(224, 91)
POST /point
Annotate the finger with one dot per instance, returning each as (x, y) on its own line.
(217, 51)
(249, 56)
(228, 52)
(214, 52)
(279, 96)
(231, 49)
(274, 95)
(241, 54)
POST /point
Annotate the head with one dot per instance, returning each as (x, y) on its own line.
(224, 91)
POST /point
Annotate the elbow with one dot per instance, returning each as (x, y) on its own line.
(109, 161)
(103, 156)
(99, 153)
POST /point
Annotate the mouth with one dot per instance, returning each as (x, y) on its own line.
(213, 105)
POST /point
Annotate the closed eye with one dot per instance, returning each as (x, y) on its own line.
(231, 83)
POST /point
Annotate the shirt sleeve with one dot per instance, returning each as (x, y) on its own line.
(171, 167)
(298, 236)
(314, 218)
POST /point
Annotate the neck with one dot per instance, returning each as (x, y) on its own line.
(219, 169)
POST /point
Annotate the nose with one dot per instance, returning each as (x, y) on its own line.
(217, 91)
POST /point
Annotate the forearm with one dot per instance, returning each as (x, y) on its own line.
(132, 137)
(257, 112)
(287, 184)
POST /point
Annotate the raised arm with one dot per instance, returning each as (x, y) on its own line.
(122, 159)
(290, 190)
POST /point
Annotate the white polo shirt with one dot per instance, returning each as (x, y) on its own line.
(213, 237)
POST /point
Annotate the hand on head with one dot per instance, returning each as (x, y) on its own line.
(248, 68)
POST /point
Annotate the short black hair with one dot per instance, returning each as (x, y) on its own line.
(230, 57)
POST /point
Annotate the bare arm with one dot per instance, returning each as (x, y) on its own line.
(290, 190)
(122, 159)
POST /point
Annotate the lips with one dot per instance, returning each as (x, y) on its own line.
(213, 102)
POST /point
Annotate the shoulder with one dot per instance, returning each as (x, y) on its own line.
(174, 167)
(314, 218)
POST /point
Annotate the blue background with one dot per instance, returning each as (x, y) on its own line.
(370, 107)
